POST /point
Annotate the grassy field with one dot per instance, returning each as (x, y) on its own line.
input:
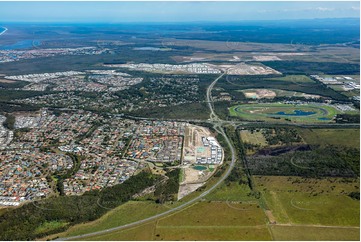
(288, 233)
(124, 214)
(293, 78)
(202, 221)
(216, 214)
(232, 192)
(283, 93)
(295, 200)
(49, 226)
(337, 137)
(213, 233)
(337, 87)
(138, 233)
(255, 137)
(152, 232)
(311, 113)
(351, 93)
(229, 214)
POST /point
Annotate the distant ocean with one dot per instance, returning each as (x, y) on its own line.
(22, 44)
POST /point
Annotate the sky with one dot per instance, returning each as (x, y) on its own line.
(171, 11)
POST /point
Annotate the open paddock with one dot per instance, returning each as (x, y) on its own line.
(255, 137)
(292, 78)
(216, 233)
(202, 221)
(126, 213)
(216, 214)
(314, 232)
(300, 201)
(338, 137)
(137, 233)
(231, 193)
(2, 80)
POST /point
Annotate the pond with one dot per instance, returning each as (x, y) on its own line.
(200, 149)
(296, 113)
(200, 168)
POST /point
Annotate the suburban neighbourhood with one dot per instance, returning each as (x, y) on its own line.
(85, 151)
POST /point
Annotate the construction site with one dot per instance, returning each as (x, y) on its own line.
(201, 156)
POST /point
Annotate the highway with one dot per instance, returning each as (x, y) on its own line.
(213, 115)
(217, 125)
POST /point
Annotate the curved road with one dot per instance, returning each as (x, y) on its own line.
(213, 117)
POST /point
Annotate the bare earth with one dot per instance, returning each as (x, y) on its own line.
(260, 93)
(193, 147)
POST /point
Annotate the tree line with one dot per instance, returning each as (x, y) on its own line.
(21, 223)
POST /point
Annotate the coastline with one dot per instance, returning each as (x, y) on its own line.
(5, 29)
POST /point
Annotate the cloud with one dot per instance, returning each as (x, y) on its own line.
(322, 9)
(263, 11)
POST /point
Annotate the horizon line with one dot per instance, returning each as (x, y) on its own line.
(175, 22)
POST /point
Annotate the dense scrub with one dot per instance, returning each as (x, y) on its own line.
(9, 95)
(347, 118)
(277, 136)
(9, 121)
(168, 190)
(319, 162)
(182, 111)
(12, 107)
(305, 67)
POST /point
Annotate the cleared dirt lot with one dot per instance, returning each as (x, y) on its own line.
(193, 148)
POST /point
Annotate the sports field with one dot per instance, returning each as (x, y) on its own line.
(298, 113)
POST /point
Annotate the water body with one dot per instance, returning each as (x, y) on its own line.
(200, 168)
(149, 48)
(23, 44)
(324, 119)
(296, 113)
